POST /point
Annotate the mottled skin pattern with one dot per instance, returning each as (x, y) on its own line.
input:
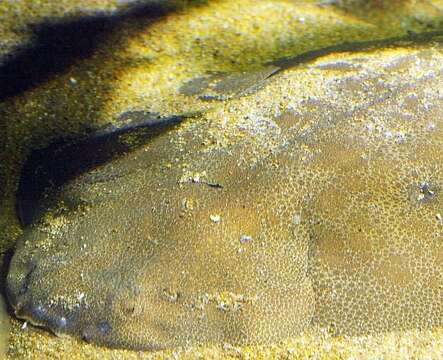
(327, 212)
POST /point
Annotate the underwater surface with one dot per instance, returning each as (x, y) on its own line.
(222, 179)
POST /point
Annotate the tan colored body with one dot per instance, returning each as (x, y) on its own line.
(326, 214)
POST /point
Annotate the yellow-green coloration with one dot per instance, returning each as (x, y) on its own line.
(17, 17)
(329, 235)
(143, 63)
(329, 217)
(4, 328)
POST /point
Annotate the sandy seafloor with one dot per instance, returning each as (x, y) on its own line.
(21, 341)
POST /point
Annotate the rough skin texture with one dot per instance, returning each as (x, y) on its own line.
(144, 64)
(328, 214)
